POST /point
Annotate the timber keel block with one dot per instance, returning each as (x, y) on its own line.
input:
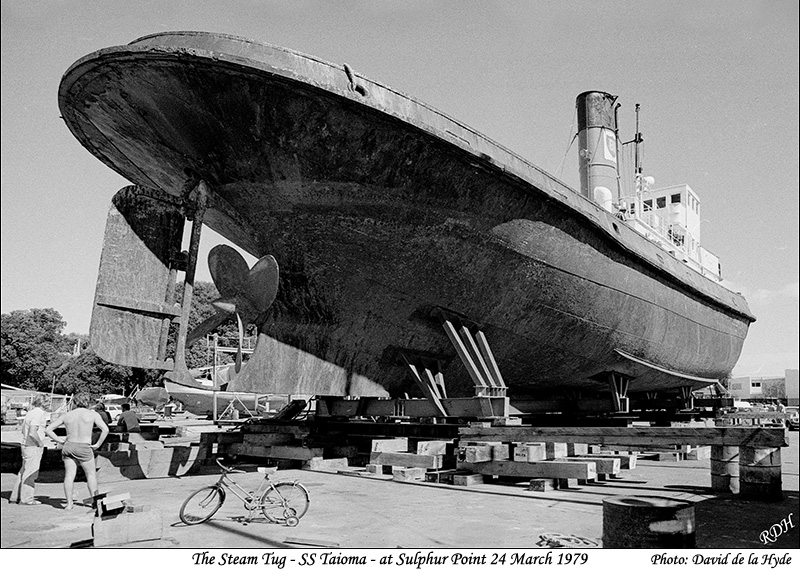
(406, 459)
(408, 474)
(542, 485)
(552, 469)
(467, 479)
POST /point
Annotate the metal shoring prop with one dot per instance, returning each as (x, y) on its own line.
(200, 200)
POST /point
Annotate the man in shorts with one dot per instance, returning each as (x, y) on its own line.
(32, 450)
(78, 447)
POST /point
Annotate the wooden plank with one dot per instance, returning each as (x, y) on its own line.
(440, 476)
(221, 437)
(642, 436)
(529, 452)
(555, 450)
(433, 447)
(417, 408)
(546, 469)
(501, 451)
(575, 449)
(268, 439)
(542, 485)
(602, 465)
(405, 459)
(296, 431)
(407, 474)
(626, 461)
(390, 445)
(467, 479)
(475, 453)
(325, 464)
(562, 405)
(294, 452)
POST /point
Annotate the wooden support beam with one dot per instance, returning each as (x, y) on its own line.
(546, 469)
(485, 407)
(641, 436)
(405, 459)
(531, 406)
(390, 445)
(626, 461)
(603, 465)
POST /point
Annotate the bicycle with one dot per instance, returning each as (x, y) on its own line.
(281, 502)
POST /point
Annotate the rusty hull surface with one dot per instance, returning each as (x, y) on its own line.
(381, 210)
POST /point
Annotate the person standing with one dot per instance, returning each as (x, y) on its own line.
(32, 451)
(128, 421)
(78, 447)
(101, 410)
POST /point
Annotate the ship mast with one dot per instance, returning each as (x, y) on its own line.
(637, 140)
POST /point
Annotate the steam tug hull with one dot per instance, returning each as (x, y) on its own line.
(388, 218)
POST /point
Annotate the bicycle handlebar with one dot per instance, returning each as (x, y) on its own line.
(229, 470)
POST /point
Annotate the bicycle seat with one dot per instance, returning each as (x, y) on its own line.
(266, 470)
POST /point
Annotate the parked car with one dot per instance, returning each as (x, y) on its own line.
(793, 422)
(114, 410)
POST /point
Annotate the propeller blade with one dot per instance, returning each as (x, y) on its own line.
(229, 270)
(181, 376)
(207, 327)
(238, 365)
(262, 283)
(226, 305)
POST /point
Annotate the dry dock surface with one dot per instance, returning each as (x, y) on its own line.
(350, 511)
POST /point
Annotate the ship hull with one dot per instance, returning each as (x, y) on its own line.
(385, 215)
(201, 401)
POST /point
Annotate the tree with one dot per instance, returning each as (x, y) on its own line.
(32, 347)
(90, 374)
(35, 354)
(202, 296)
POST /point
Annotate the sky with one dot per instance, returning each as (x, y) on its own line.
(717, 82)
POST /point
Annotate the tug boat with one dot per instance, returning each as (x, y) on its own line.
(409, 244)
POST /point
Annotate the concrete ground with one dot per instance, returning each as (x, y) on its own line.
(348, 511)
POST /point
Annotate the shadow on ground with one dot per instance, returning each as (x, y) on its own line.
(728, 522)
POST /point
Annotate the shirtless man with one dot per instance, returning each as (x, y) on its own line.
(78, 447)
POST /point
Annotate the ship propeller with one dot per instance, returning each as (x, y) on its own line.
(246, 293)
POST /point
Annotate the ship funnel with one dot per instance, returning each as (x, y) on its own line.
(597, 144)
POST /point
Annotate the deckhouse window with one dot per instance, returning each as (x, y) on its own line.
(661, 202)
(648, 204)
(675, 199)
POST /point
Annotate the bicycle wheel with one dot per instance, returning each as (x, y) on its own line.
(284, 500)
(202, 505)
